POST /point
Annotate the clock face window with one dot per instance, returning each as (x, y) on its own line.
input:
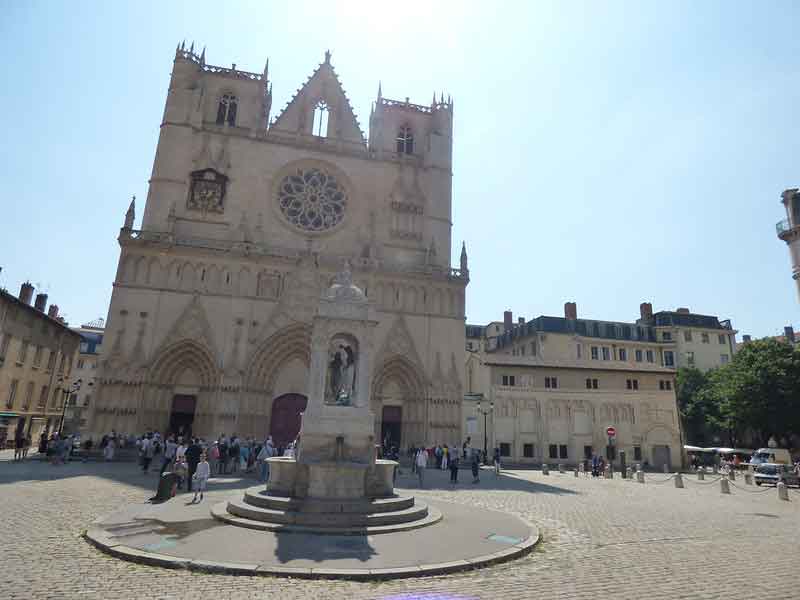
(312, 199)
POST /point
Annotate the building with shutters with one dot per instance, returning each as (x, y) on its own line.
(36, 359)
(551, 386)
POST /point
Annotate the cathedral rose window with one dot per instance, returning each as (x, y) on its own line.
(312, 199)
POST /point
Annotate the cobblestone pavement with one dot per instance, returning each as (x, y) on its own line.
(600, 538)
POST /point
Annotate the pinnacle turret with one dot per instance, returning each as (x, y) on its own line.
(130, 215)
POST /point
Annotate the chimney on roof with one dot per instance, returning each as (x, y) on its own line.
(52, 312)
(508, 320)
(520, 320)
(26, 292)
(682, 311)
(41, 302)
(646, 311)
(746, 339)
(570, 310)
(788, 331)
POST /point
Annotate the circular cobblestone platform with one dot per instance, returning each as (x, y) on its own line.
(168, 535)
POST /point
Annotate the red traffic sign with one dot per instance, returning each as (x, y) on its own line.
(611, 432)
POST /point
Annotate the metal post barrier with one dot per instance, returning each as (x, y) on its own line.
(783, 491)
(678, 480)
(748, 478)
(724, 486)
(732, 474)
(576, 472)
(666, 468)
(607, 472)
(701, 475)
(715, 469)
(560, 467)
(640, 476)
(630, 473)
(545, 469)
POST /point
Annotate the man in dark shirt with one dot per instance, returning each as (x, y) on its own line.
(193, 453)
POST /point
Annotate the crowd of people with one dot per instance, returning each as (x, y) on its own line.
(450, 458)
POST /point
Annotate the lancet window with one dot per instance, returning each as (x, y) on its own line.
(226, 111)
(405, 140)
(320, 123)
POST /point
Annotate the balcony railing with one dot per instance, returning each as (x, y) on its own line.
(782, 226)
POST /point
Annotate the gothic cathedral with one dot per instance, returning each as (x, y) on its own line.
(247, 220)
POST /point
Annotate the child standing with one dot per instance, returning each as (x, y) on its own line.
(201, 476)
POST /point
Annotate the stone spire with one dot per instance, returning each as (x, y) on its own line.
(464, 267)
(130, 215)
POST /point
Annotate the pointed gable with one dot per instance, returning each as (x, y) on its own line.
(322, 86)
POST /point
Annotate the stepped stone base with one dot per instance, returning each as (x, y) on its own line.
(259, 509)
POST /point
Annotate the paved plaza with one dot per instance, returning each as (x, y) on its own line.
(599, 538)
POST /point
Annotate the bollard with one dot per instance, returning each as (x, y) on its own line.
(545, 470)
(748, 478)
(630, 473)
(678, 480)
(724, 486)
(666, 468)
(640, 476)
(715, 469)
(732, 474)
(607, 473)
(701, 475)
(783, 491)
(560, 468)
(576, 472)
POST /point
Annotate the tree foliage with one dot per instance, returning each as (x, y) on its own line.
(754, 397)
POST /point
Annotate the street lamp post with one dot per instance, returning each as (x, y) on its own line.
(67, 390)
(485, 414)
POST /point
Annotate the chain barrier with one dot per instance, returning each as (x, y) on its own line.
(738, 487)
(704, 482)
(659, 481)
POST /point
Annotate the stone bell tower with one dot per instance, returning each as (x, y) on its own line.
(788, 230)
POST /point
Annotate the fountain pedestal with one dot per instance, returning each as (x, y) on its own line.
(334, 482)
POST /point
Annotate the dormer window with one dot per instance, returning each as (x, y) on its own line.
(320, 124)
(226, 111)
(405, 140)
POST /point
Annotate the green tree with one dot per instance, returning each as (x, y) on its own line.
(757, 392)
(690, 383)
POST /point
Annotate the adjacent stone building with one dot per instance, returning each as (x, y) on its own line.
(701, 341)
(36, 354)
(84, 371)
(246, 221)
(552, 386)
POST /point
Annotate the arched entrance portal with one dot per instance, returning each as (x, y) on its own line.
(284, 425)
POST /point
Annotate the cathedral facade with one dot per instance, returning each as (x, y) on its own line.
(247, 220)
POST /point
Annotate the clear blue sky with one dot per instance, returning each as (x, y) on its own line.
(605, 152)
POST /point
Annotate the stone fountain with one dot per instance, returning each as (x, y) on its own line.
(334, 482)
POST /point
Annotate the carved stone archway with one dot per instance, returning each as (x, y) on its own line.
(408, 392)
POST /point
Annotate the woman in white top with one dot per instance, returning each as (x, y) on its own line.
(201, 476)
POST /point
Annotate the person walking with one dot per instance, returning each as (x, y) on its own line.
(181, 469)
(453, 466)
(476, 466)
(200, 477)
(193, 453)
(19, 444)
(267, 451)
(213, 457)
(496, 461)
(445, 457)
(421, 461)
(233, 454)
(170, 447)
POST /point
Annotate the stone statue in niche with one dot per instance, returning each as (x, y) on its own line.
(341, 381)
(207, 191)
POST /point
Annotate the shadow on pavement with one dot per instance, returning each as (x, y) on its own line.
(129, 473)
(436, 479)
(319, 548)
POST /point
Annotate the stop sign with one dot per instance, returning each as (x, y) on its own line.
(611, 432)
